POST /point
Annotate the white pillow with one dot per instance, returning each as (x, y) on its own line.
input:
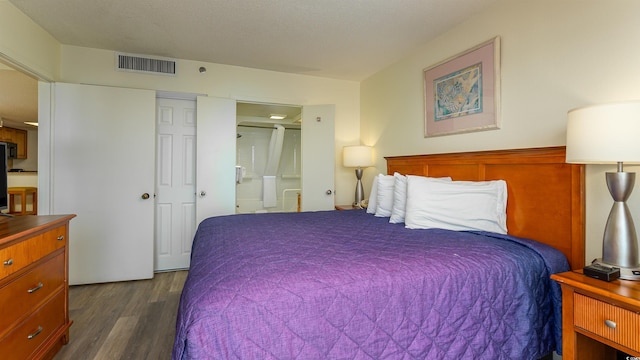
(373, 204)
(384, 198)
(400, 197)
(456, 205)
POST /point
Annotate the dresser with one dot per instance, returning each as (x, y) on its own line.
(599, 317)
(34, 290)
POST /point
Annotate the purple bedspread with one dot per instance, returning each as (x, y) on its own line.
(348, 285)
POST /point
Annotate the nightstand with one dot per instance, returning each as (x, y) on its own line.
(598, 317)
(348, 207)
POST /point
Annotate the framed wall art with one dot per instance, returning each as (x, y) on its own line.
(462, 94)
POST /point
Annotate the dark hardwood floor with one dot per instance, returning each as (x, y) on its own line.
(125, 320)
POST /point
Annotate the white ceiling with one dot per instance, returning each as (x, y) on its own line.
(342, 39)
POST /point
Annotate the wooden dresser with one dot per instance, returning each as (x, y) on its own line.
(599, 317)
(34, 289)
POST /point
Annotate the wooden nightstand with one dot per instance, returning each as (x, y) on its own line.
(598, 317)
(347, 207)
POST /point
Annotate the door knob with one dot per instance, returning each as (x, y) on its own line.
(145, 196)
(203, 193)
(329, 192)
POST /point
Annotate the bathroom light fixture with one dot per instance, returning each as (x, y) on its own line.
(277, 116)
(607, 134)
(358, 156)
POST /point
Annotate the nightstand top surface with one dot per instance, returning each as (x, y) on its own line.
(624, 291)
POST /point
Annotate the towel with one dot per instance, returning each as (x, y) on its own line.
(241, 171)
(275, 150)
(269, 196)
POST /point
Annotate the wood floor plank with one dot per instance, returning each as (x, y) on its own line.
(120, 334)
(124, 320)
(179, 277)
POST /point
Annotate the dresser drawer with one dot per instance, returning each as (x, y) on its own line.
(608, 321)
(25, 293)
(17, 256)
(34, 331)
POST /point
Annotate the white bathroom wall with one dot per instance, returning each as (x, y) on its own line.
(252, 151)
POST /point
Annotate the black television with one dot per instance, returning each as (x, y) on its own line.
(4, 191)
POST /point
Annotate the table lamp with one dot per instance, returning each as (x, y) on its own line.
(358, 156)
(608, 134)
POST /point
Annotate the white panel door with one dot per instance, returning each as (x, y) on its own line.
(318, 157)
(216, 157)
(175, 183)
(102, 160)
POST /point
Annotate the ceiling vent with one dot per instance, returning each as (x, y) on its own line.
(145, 64)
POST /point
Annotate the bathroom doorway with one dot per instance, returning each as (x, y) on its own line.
(268, 157)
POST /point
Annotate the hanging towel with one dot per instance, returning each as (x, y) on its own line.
(275, 150)
(269, 196)
(239, 174)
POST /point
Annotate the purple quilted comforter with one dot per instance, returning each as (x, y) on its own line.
(348, 285)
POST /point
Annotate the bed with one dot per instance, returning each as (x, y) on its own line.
(350, 285)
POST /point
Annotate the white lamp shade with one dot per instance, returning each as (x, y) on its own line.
(357, 156)
(603, 134)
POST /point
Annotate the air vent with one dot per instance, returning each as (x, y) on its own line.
(145, 64)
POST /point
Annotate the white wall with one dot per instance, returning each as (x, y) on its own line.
(26, 45)
(556, 55)
(93, 66)
(252, 154)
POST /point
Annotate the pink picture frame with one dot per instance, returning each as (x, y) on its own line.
(462, 93)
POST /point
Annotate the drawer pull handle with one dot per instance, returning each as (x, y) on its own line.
(38, 287)
(61, 237)
(8, 262)
(610, 324)
(38, 331)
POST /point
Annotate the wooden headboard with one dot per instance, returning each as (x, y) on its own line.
(545, 195)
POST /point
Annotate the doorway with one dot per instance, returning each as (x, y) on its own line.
(18, 122)
(268, 158)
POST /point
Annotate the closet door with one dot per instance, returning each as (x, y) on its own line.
(318, 157)
(216, 159)
(103, 161)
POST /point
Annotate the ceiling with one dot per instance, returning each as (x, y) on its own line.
(257, 114)
(341, 39)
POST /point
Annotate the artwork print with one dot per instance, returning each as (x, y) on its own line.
(459, 93)
(462, 93)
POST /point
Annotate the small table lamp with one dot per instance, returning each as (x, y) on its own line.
(608, 134)
(358, 156)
